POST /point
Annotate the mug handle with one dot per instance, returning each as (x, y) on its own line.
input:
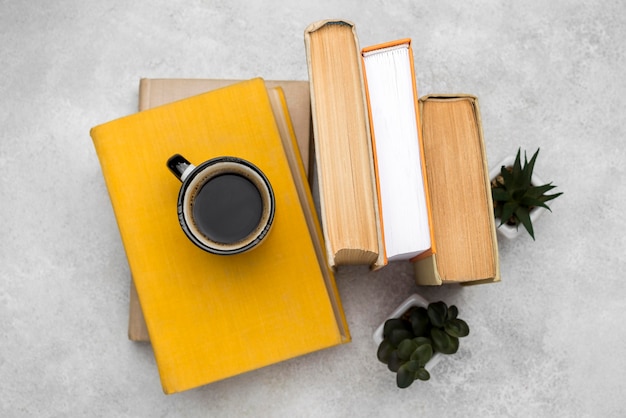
(179, 166)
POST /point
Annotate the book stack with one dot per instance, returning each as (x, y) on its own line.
(400, 178)
(210, 317)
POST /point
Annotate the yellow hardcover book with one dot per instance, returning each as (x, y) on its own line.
(458, 180)
(343, 146)
(211, 317)
(159, 91)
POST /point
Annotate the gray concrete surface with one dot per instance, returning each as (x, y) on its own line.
(548, 341)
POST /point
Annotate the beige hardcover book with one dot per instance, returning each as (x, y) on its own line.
(343, 148)
(458, 180)
(159, 91)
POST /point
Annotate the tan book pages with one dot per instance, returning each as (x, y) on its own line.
(343, 148)
(462, 209)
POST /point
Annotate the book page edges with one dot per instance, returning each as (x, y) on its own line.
(332, 256)
(425, 265)
(381, 235)
(285, 126)
(418, 123)
(492, 224)
(364, 51)
(426, 271)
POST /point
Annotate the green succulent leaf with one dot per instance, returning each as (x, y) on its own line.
(507, 176)
(422, 374)
(437, 312)
(500, 194)
(529, 202)
(517, 166)
(508, 210)
(394, 324)
(537, 191)
(422, 354)
(405, 377)
(523, 215)
(444, 343)
(394, 362)
(526, 171)
(457, 328)
(422, 341)
(406, 348)
(529, 166)
(420, 322)
(548, 197)
(412, 365)
(384, 351)
(399, 335)
(453, 312)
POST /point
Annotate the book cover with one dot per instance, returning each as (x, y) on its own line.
(404, 202)
(343, 148)
(159, 91)
(211, 317)
(458, 179)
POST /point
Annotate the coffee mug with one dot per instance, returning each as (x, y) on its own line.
(225, 205)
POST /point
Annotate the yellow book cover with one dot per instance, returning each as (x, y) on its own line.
(155, 92)
(211, 317)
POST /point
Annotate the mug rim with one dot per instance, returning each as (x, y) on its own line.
(258, 238)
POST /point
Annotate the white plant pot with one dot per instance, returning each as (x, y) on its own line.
(509, 231)
(414, 300)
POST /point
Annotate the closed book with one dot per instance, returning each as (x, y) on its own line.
(403, 197)
(159, 91)
(458, 180)
(343, 149)
(209, 316)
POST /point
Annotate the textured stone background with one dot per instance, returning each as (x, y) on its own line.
(546, 342)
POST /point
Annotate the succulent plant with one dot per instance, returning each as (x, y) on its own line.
(514, 195)
(410, 341)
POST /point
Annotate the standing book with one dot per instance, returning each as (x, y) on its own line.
(159, 91)
(458, 179)
(403, 197)
(211, 317)
(343, 147)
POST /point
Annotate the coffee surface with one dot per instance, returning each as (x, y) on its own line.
(227, 208)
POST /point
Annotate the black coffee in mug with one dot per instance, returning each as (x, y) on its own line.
(225, 205)
(227, 208)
